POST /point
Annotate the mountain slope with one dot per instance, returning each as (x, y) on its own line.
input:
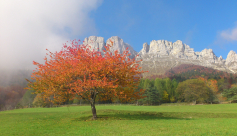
(190, 71)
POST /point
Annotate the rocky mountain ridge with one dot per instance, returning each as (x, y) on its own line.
(162, 55)
(98, 43)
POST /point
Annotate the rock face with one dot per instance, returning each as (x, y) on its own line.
(177, 49)
(121, 46)
(162, 55)
(98, 44)
(231, 61)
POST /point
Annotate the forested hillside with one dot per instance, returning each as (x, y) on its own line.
(189, 71)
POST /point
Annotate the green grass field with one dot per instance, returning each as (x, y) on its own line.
(122, 120)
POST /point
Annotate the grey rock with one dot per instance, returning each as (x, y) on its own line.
(231, 61)
(145, 48)
(95, 43)
(121, 46)
(162, 55)
(98, 44)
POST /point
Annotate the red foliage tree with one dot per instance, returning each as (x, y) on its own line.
(78, 70)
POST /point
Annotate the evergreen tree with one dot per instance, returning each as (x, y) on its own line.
(231, 94)
(152, 95)
(174, 86)
(159, 86)
(168, 86)
(146, 84)
(28, 98)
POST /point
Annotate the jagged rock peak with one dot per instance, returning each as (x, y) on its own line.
(115, 39)
(145, 48)
(120, 45)
(98, 43)
(208, 53)
(164, 47)
(178, 42)
(231, 61)
(231, 58)
(231, 55)
(94, 38)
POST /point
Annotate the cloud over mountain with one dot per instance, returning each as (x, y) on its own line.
(29, 27)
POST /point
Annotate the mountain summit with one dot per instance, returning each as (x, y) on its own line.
(161, 55)
(98, 43)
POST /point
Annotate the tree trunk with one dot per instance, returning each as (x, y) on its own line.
(93, 111)
(93, 96)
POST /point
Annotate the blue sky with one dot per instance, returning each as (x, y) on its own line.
(197, 23)
(29, 27)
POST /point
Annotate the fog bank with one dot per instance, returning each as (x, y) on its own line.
(28, 27)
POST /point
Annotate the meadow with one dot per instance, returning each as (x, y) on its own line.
(175, 120)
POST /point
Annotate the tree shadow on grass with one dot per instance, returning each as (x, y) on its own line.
(130, 115)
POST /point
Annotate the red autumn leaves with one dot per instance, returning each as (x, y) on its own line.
(78, 70)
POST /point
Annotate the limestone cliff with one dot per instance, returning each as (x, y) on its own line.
(161, 55)
(98, 44)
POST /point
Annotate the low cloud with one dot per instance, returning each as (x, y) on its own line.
(189, 35)
(230, 34)
(28, 27)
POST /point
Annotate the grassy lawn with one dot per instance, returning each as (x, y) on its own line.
(122, 120)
